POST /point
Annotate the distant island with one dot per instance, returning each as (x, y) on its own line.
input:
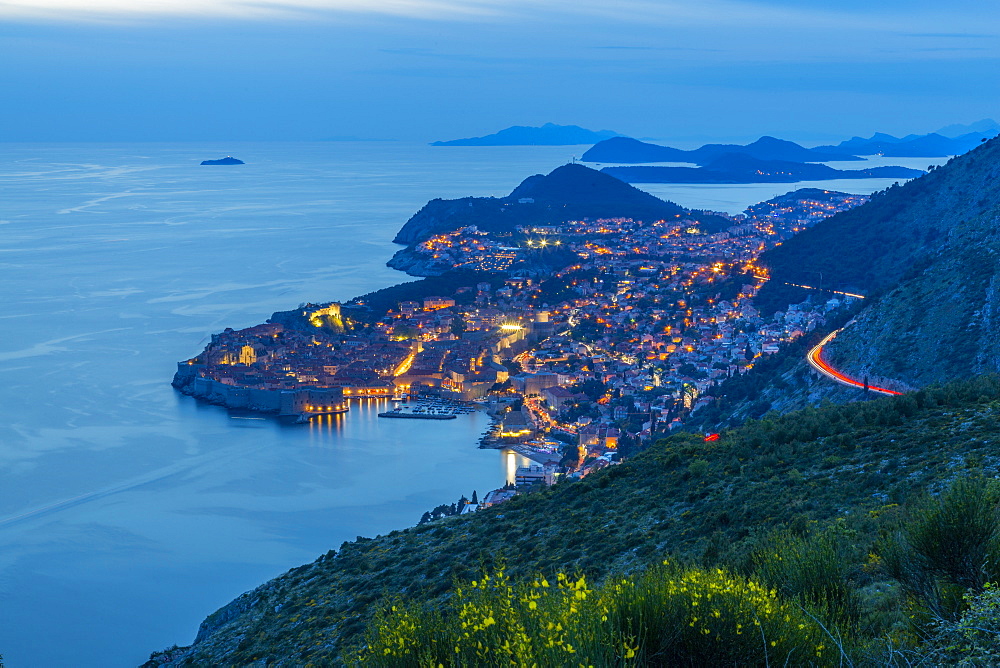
(958, 129)
(524, 135)
(228, 160)
(740, 168)
(933, 145)
(628, 150)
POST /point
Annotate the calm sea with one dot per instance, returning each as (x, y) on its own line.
(127, 512)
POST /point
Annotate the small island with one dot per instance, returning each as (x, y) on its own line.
(740, 168)
(228, 160)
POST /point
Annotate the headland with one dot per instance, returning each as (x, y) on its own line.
(584, 335)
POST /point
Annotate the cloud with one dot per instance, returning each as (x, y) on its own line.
(112, 10)
(665, 12)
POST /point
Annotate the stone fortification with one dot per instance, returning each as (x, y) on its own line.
(282, 402)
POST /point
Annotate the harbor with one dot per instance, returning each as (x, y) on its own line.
(427, 409)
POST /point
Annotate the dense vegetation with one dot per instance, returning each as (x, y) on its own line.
(570, 192)
(802, 602)
(667, 616)
(847, 499)
(927, 255)
(874, 246)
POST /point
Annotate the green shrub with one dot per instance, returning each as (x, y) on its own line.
(949, 545)
(815, 570)
(667, 616)
(973, 640)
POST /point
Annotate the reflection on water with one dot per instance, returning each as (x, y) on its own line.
(323, 428)
(511, 461)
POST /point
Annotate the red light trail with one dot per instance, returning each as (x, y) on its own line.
(815, 359)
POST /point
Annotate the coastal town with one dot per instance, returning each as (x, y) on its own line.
(578, 368)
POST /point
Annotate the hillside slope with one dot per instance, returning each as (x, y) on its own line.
(927, 252)
(570, 192)
(706, 502)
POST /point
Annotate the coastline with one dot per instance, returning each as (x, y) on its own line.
(149, 292)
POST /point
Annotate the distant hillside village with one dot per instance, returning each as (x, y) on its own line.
(578, 368)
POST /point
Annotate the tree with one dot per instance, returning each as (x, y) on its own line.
(475, 497)
(688, 369)
(593, 388)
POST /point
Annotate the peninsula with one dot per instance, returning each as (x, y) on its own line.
(548, 316)
(582, 366)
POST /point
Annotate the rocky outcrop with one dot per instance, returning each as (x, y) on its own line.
(440, 215)
(411, 262)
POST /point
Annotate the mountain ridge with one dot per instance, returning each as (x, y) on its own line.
(549, 134)
(931, 145)
(628, 150)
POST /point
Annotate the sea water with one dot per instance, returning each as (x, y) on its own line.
(129, 512)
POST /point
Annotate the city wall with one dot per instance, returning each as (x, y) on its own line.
(282, 402)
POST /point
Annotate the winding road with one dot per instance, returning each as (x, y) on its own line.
(815, 359)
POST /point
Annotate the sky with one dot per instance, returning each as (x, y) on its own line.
(423, 70)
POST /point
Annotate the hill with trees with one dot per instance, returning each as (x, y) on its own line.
(926, 254)
(874, 525)
(570, 192)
